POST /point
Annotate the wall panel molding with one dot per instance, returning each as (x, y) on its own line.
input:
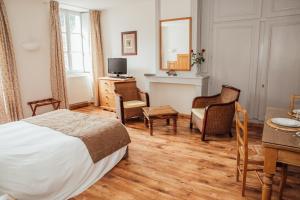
(245, 9)
(279, 63)
(234, 61)
(277, 8)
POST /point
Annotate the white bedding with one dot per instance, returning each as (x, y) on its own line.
(38, 163)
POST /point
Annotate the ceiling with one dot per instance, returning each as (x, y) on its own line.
(100, 4)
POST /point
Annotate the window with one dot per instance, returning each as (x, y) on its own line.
(76, 41)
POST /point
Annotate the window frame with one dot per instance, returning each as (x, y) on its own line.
(69, 69)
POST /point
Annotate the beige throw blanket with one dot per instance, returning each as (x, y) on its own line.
(102, 136)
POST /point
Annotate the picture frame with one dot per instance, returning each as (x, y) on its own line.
(129, 43)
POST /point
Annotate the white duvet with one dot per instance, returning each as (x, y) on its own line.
(38, 163)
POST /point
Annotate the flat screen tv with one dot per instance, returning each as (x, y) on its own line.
(117, 66)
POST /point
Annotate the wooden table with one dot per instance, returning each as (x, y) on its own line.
(280, 146)
(43, 102)
(160, 112)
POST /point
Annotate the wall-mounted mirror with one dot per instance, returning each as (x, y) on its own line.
(175, 44)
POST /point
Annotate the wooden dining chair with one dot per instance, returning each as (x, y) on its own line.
(243, 157)
(294, 100)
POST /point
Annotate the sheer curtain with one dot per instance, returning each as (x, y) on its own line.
(97, 52)
(10, 101)
(57, 68)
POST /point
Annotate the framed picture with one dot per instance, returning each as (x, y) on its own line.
(129, 43)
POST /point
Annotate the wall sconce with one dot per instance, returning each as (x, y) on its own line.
(31, 46)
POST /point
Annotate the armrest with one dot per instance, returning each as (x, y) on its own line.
(144, 96)
(119, 107)
(204, 101)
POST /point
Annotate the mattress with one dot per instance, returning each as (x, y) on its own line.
(66, 170)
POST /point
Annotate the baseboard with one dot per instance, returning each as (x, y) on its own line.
(79, 105)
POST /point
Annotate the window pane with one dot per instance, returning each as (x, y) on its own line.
(63, 22)
(76, 42)
(65, 43)
(88, 62)
(86, 44)
(75, 25)
(77, 62)
(66, 61)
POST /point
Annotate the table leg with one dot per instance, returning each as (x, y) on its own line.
(145, 122)
(175, 125)
(168, 121)
(151, 126)
(269, 171)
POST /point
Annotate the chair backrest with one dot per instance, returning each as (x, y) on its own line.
(128, 90)
(294, 100)
(241, 122)
(229, 94)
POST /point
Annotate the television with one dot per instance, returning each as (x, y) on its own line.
(117, 66)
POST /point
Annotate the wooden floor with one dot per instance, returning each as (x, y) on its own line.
(167, 166)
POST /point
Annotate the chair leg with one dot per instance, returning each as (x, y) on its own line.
(283, 180)
(191, 122)
(230, 134)
(203, 136)
(244, 177)
(237, 166)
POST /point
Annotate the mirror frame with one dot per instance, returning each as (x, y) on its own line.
(190, 41)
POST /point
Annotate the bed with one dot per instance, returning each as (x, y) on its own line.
(39, 162)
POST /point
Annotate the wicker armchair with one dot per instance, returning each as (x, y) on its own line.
(129, 100)
(214, 114)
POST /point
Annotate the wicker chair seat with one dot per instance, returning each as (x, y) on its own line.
(198, 112)
(134, 104)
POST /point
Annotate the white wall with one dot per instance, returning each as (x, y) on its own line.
(140, 18)
(29, 22)
(175, 8)
(144, 17)
(33, 67)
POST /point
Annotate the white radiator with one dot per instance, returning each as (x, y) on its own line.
(79, 88)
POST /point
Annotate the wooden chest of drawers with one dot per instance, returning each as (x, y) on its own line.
(107, 92)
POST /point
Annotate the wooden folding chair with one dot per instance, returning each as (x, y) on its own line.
(243, 160)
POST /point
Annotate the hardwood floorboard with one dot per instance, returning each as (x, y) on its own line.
(178, 167)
